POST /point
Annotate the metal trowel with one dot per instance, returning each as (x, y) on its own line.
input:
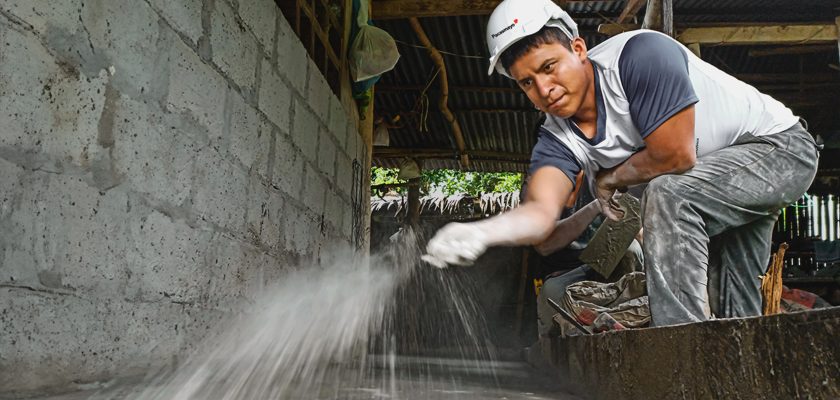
(607, 247)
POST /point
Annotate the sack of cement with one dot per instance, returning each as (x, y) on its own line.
(608, 246)
(625, 301)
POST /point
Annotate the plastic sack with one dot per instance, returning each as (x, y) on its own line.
(373, 51)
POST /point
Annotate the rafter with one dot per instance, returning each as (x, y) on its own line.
(391, 9)
(764, 34)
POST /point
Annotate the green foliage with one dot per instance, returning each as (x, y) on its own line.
(451, 182)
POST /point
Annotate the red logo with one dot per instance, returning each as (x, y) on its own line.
(516, 20)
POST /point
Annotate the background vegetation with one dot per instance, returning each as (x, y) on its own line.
(447, 181)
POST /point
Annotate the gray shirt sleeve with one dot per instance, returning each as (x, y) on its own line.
(654, 72)
(549, 151)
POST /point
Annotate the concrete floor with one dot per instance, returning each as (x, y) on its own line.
(513, 381)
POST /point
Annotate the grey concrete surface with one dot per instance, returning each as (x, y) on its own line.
(160, 161)
(419, 379)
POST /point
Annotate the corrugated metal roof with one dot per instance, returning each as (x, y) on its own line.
(495, 116)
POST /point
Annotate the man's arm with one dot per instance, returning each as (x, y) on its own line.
(670, 149)
(460, 244)
(533, 221)
(569, 229)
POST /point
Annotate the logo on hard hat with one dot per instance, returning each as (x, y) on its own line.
(507, 28)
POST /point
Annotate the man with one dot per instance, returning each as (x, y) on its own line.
(720, 158)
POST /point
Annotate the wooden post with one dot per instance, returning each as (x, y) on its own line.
(659, 16)
(837, 23)
(413, 215)
(653, 15)
(437, 58)
(668, 17)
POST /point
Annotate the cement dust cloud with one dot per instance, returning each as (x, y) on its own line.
(334, 331)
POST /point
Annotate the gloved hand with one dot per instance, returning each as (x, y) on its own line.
(456, 244)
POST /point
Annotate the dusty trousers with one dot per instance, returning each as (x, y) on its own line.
(707, 231)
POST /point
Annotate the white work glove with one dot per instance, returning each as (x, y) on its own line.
(456, 244)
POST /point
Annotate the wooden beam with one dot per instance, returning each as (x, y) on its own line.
(792, 49)
(447, 154)
(775, 34)
(630, 10)
(437, 58)
(612, 29)
(744, 34)
(391, 9)
(471, 89)
(793, 77)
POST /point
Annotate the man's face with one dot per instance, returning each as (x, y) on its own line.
(553, 77)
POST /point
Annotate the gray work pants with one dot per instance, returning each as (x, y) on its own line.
(707, 231)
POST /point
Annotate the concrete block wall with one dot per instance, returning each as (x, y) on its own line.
(160, 162)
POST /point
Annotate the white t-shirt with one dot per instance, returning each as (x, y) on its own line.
(642, 79)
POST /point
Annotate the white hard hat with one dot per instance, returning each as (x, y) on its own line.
(515, 19)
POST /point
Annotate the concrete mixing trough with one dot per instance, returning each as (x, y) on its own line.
(786, 356)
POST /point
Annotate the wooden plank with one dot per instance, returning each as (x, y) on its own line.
(391, 9)
(447, 154)
(471, 89)
(614, 29)
(630, 10)
(792, 49)
(794, 34)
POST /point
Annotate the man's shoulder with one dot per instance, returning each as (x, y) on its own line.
(608, 53)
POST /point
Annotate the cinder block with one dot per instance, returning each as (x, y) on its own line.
(314, 189)
(275, 98)
(327, 155)
(353, 141)
(234, 49)
(250, 136)
(260, 16)
(256, 209)
(219, 191)
(318, 93)
(344, 174)
(334, 210)
(306, 130)
(151, 156)
(295, 230)
(196, 88)
(273, 217)
(44, 15)
(338, 122)
(47, 113)
(61, 234)
(347, 221)
(126, 33)
(183, 15)
(291, 56)
(224, 287)
(11, 185)
(165, 256)
(288, 167)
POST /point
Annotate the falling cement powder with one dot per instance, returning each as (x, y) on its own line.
(311, 335)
